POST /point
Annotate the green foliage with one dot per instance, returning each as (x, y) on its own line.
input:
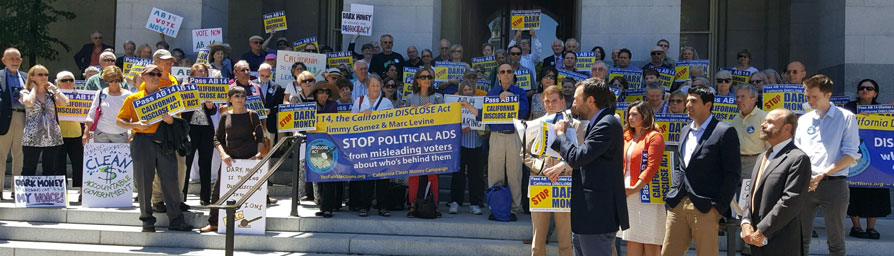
(26, 27)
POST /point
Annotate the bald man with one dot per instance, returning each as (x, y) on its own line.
(795, 72)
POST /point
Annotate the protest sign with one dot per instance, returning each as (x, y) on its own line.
(79, 84)
(656, 190)
(333, 59)
(449, 70)
(164, 22)
(634, 95)
(547, 196)
(671, 125)
(788, 96)
(875, 167)
(297, 117)
(201, 38)
(181, 73)
(739, 76)
(483, 84)
(251, 218)
(682, 73)
(189, 94)
(665, 77)
(620, 111)
(634, 77)
(299, 45)
(409, 74)
(353, 23)
(525, 19)
(275, 21)
(523, 79)
(254, 103)
(469, 119)
(212, 89)
(541, 133)
(345, 107)
(386, 144)
(316, 64)
(41, 191)
(108, 175)
(839, 101)
(565, 73)
(725, 108)
(79, 102)
(687, 69)
(499, 111)
(202, 56)
(151, 107)
(133, 66)
(585, 61)
(485, 64)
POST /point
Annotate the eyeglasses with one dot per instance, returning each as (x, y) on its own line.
(326, 91)
(719, 80)
(308, 80)
(742, 56)
(42, 74)
(387, 42)
(664, 45)
(390, 85)
(676, 101)
(113, 81)
(99, 37)
(515, 53)
(868, 88)
(425, 77)
(155, 74)
(755, 81)
(553, 77)
(108, 60)
(67, 80)
(656, 53)
(506, 71)
(256, 42)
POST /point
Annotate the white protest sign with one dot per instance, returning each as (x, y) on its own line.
(164, 22)
(542, 133)
(365, 8)
(108, 175)
(353, 23)
(41, 191)
(316, 64)
(469, 118)
(181, 73)
(204, 37)
(251, 218)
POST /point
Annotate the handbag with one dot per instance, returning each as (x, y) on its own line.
(98, 112)
(425, 206)
(266, 148)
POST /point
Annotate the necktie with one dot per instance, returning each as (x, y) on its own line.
(558, 117)
(760, 173)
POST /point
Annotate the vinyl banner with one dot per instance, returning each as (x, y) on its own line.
(875, 168)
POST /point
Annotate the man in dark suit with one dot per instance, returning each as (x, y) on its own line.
(555, 60)
(704, 183)
(771, 224)
(598, 205)
(272, 96)
(89, 53)
(12, 113)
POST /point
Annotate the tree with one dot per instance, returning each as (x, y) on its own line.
(26, 27)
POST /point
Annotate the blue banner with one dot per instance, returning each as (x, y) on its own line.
(875, 168)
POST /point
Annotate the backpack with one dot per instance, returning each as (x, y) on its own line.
(499, 201)
(425, 206)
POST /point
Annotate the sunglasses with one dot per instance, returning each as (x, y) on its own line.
(308, 80)
(656, 53)
(506, 71)
(97, 37)
(108, 60)
(743, 56)
(868, 88)
(676, 101)
(445, 48)
(425, 77)
(515, 53)
(113, 81)
(755, 81)
(256, 42)
(67, 80)
(724, 80)
(155, 74)
(390, 85)
(326, 91)
(553, 77)
(42, 74)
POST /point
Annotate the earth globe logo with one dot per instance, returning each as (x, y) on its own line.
(322, 155)
(106, 173)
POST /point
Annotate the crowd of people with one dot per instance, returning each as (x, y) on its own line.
(609, 165)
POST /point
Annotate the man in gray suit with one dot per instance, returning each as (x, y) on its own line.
(781, 176)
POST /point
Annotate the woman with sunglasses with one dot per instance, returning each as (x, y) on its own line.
(724, 84)
(201, 137)
(42, 133)
(868, 203)
(361, 192)
(427, 59)
(299, 90)
(72, 147)
(392, 92)
(743, 60)
(548, 79)
(102, 114)
(423, 95)
(758, 79)
(330, 193)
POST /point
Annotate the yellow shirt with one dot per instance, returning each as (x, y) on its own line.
(749, 130)
(70, 129)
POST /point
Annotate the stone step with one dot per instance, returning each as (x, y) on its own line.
(11, 247)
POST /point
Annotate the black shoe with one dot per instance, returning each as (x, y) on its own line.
(871, 233)
(159, 207)
(858, 233)
(205, 202)
(814, 235)
(512, 217)
(184, 227)
(149, 229)
(184, 207)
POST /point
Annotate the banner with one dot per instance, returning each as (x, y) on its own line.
(485, 64)
(134, 66)
(108, 175)
(275, 21)
(79, 102)
(299, 45)
(316, 64)
(151, 108)
(634, 77)
(875, 167)
(189, 93)
(251, 218)
(409, 74)
(656, 190)
(634, 95)
(621, 110)
(739, 76)
(671, 125)
(297, 117)
(525, 19)
(565, 73)
(839, 101)
(585, 61)
(41, 191)
(523, 79)
(449, 70)
(254, 103)
(387, 144)
(201, 38)
(469, 119)
(546, 196)
(333, 59)
(788, 96)
(345, 107)
(353, 23)
(499, 111)
(212, 89)
(665, 77)
(725, 108)
(164, 22)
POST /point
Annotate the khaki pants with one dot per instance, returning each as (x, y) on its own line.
(181, 176)
(685, 223)
(12, 143)
(504, 162)
(540, 221)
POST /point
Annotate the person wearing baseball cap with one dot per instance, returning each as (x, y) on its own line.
(165, 61)
(657, 57)
(270, 59)
(283, 44)
(332, 74)
(256, 55)
(149, 158)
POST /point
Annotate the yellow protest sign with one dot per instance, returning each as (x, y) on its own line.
(189, 93)
(299, 45)
(725, 108)
(585, 61)
(79, 102)
(333, 59)
(671, 126)
(133, 66)
(739, 76)
(622, 107)
(212, 89)
(275, 21)
(297, 117)
(546, 196)
(525, 19)
(788, 96)
(634, 95)
(656, 190)
(523, 79)
(409, 74)
(565, 73)
(449, 70)
(634, 77)
(665, 77)
(255, 104)
(485, 64)
(151, 108)
(499, 111)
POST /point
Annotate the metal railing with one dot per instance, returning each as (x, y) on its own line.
(232, 205)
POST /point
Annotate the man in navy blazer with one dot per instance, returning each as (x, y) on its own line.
(704, 182)
(84, 58)
(598, 204)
